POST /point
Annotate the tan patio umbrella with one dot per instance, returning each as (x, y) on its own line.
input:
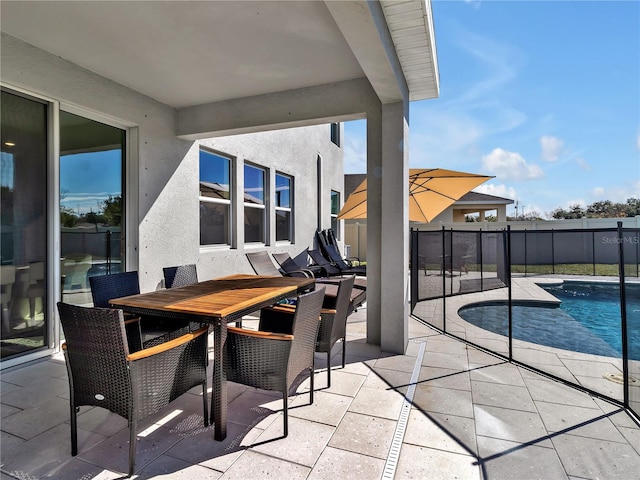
(431, 191)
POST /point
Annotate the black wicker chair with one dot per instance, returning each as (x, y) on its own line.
(272, 361)
(262, 265)
(142, 332)
(333, 324)
(104, 373)
(180, 275)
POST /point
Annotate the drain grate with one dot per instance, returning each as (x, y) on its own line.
(394, 452)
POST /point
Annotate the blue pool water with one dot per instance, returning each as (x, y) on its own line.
(587, 321)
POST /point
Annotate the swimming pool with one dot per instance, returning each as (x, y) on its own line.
(587, 321)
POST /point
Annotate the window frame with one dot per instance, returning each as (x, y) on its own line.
(218, 201)
(335, 133)
(288, 209)
(257, 206)
(334, 215)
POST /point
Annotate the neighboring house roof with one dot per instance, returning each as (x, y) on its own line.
(351, 182)
(477, 197)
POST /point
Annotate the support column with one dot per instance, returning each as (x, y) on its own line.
(501, 213)
(374, 222)
(388, 227)
(394, 308)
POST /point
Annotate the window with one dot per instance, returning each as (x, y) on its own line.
(284, 219)
(335, 133)
(335, 208)
(215, 199)
(92, 175)
(254, 207)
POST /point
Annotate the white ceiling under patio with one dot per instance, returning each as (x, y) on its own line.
(185, 53)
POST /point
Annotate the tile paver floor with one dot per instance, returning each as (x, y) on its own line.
(471, 416)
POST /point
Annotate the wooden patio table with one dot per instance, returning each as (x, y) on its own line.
(216, 302)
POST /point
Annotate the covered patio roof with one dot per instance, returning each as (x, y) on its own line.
(185, 53)
(229, 67)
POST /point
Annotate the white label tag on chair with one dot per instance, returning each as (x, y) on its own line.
(99, 396)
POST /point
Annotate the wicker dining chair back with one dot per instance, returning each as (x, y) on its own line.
(180, 276)
(115, 285)
(272, 361)
(333, 325)
(147, 331)
(103, 373)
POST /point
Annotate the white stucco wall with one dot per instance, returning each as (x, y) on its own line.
(162, 201)
(293, 152)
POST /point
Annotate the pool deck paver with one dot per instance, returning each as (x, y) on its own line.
(472, 416)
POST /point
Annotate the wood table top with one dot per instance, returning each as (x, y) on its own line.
(220, 297)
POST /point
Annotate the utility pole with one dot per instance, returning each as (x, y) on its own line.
(516, 209)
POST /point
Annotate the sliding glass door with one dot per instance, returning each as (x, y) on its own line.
(91, 168)
(91, 203)
(23, 224)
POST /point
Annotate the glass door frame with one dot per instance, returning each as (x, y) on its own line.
(131, 203)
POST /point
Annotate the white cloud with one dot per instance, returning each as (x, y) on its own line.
(510, 166)
(497, 190)
(575, 201)
(584, 165)
(551, 148)
(530, 209)
(616, 193)
(355, 154)
(474, 3)
(447, 132)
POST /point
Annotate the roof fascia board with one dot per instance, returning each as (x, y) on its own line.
(364, 27)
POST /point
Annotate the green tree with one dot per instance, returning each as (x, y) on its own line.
(632, 207)
(67, 217)
(574, 211)
(601, 209)
(112, 212)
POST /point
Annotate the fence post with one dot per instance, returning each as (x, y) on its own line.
(553, 253)
(444, 284)
(623, 317)
(525, 252)
(108, 251)
(593, 251)
(508, 268)
(414, 268)
(481, 261)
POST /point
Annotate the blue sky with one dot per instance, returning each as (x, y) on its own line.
(544, 95)
(88, 179)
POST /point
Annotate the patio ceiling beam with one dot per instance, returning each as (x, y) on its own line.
(341, 101)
